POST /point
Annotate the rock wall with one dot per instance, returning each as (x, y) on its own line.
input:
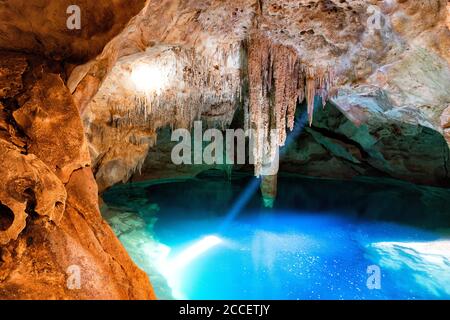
(384, 64)
(50, 224)
(39, 27)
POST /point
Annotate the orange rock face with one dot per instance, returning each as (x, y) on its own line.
(41, 26)
(448, 16)
(57, 246)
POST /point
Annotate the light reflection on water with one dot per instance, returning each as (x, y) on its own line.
(286, 256)
(282, 253)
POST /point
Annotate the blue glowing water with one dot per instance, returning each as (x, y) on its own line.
(316, 243)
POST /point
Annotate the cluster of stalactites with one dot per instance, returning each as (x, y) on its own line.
(199, 83)
(278, 80)
(319, 82)
(142, 111)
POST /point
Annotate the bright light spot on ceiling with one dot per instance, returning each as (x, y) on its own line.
(149, 78)
(172, 269)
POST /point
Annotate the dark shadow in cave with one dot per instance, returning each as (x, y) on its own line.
(6, 217)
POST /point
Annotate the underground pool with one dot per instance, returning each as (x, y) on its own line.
(211, 237)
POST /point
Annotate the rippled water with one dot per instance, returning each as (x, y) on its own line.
(318, 242)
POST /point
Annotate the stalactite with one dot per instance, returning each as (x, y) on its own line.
(278, 80)
(269, 190)
(201, 85)
(257, 68)
(310, 92)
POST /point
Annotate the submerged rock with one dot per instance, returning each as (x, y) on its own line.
(136, 235)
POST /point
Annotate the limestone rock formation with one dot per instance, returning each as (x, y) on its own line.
(41, 26)
(50, 221)
(384, 64)
(27, 179)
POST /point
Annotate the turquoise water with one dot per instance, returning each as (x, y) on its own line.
(316, 243)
